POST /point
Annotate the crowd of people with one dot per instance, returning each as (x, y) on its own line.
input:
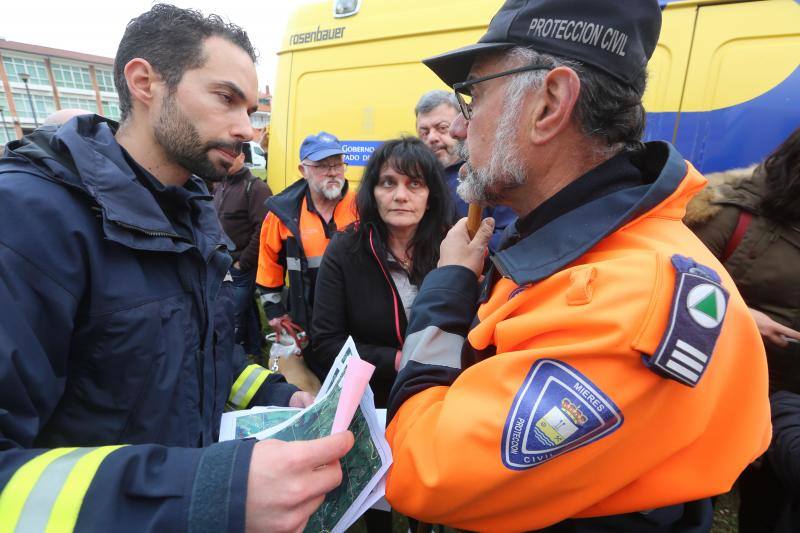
(585, 360)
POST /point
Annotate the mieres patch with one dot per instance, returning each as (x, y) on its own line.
(556, 410)
(695, 320)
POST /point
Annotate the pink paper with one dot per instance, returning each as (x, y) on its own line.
(356, 378)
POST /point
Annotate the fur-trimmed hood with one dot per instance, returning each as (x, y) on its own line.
(742, 187)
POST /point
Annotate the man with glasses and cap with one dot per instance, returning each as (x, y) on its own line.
(296, 231)
(604, 374)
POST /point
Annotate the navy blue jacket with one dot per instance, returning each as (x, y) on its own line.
(115, 330)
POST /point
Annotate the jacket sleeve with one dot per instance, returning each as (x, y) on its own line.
(784, 452)
(255, 385)
(330, 327)
(257, 211)
(271, 267)
(141, 487)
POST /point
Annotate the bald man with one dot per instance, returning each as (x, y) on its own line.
(63, 115)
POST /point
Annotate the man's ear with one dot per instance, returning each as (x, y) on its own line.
(553, 110)
(144, 83)
(300, 169)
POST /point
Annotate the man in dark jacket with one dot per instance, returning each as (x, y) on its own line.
(116, 353)
(240, 203)
(435, 111)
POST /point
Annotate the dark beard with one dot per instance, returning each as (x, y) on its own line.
(183, 146)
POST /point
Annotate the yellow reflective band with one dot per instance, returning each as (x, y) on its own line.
(16, 491)
(65, 511)
(246, 385)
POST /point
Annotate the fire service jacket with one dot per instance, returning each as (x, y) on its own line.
(612, 376)
(116, 347)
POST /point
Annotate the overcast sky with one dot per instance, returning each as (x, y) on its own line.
(95, 26)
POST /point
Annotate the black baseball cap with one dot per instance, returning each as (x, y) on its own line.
(615, 36)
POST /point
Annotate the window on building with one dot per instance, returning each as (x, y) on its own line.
(35, 69)
(7, 132)
(111, 109)
(72, 76)
(77, 102)
(105, 80)
(43, 104)
(259, 119)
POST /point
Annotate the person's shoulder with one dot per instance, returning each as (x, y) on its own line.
(36, 194)
(345, 239)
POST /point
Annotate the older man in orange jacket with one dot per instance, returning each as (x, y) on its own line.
(605, 375)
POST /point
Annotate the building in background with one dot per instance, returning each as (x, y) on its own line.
(60, 79)
(260, 119)
(56, 79)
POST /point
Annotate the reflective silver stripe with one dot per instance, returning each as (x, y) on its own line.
(683, 371)
(433, 346)
(691, 350)
(39, 504)
(314, 262)
(270, 297)
(242, 392)
(293, 263)
(686, 360)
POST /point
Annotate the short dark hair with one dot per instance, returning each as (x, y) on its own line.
(171, 40)
(781, 201)
(409, 156)
(606, 109)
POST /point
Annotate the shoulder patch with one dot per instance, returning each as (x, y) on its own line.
(695, 320)
(556, 410)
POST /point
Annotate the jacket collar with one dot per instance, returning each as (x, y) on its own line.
(570, 235)
(83, 154)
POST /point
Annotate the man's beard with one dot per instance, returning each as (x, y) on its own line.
(331, 192)
(505, 171)
(183, 146)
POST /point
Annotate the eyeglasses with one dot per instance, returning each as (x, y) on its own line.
(336, 167)
(463, 88)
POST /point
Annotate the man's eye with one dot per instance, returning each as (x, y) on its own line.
(225, 98)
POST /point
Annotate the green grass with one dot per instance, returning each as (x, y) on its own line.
(726, 518)
(259, 172)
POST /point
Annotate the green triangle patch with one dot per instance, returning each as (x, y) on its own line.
(708, 305)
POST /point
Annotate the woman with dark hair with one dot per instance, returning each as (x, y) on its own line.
(370, 273)
(750, 219)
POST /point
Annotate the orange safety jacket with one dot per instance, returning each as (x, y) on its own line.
(292, 213)
(614, 368)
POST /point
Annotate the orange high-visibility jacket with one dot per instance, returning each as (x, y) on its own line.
(564, 411)
(291, 214)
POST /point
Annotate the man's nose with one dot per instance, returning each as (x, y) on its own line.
(242, 129)
(458, 128)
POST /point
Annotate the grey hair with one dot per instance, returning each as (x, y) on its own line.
(433, 99)
(606, 109)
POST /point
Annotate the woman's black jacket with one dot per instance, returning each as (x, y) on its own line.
(355, 295)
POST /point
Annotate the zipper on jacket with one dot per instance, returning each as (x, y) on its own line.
(148, 232)
(391, 288)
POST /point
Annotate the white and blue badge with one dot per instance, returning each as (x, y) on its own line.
(695, 321)
(556, 410)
